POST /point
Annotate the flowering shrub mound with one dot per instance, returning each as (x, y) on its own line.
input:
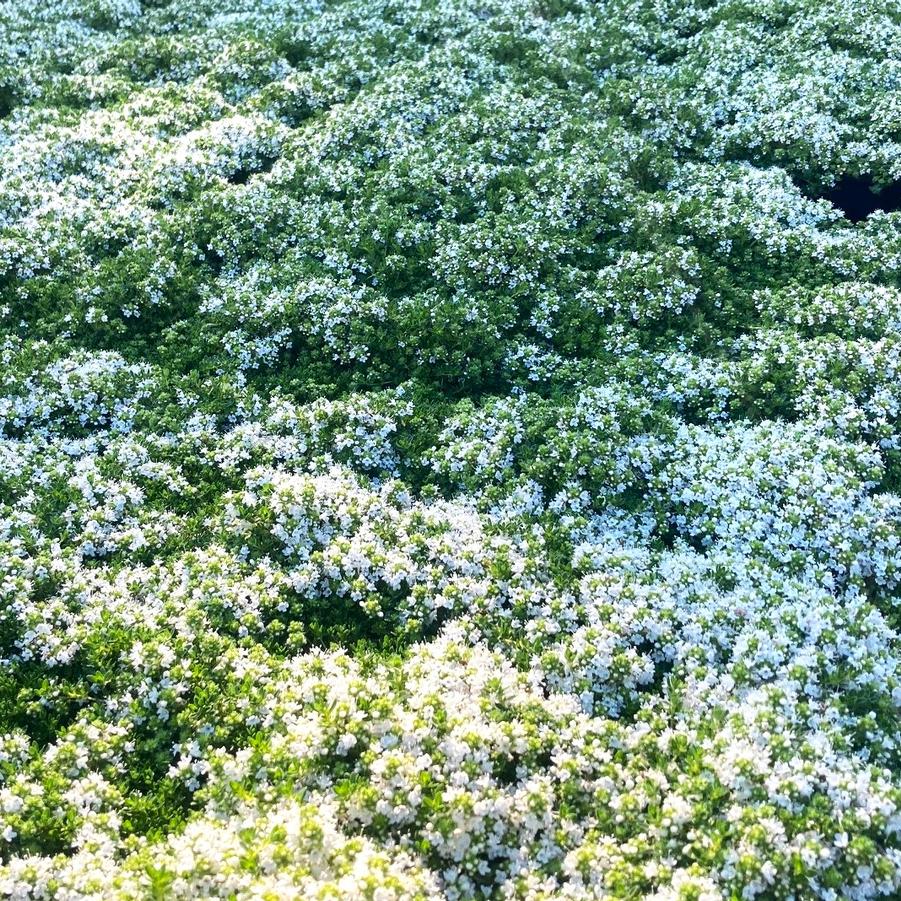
(450, 450)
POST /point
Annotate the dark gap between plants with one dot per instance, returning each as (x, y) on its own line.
(858, 196)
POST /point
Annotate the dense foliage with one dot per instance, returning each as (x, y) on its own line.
(449, 449)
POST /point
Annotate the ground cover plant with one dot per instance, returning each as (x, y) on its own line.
(449, 449)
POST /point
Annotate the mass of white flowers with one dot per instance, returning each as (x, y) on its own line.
(450, 450)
